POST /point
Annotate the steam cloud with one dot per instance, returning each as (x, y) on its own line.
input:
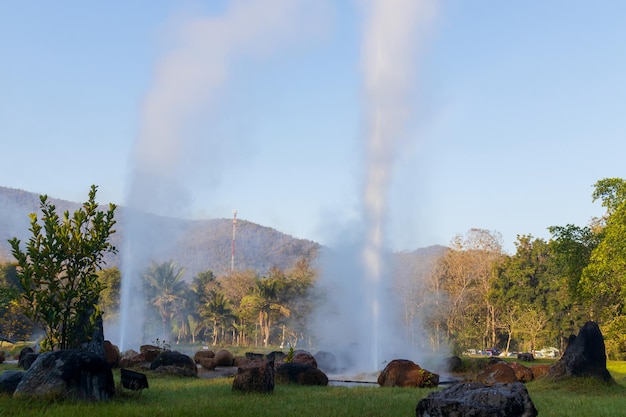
(360, 315)
(188, 83)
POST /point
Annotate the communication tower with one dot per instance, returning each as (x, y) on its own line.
(232, 248)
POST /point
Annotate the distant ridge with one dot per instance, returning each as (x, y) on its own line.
(204, 244)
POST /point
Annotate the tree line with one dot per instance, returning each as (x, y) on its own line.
(479, 297)
(472, 296)
(238, 308)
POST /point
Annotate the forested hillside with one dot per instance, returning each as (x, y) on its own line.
(203, 244)
(471, 295)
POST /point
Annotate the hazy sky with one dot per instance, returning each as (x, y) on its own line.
(517, 109)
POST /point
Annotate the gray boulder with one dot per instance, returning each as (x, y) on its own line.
(25, 351)
(326, 361)
(172, 362)
(74, 374)
(473, 399)
(300, 374)
(9, 381)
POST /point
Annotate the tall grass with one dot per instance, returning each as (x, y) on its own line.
(175, 396)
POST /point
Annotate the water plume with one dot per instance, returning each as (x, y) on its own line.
(188, 84)
(360, 314)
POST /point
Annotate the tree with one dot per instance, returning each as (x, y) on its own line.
(603, 280)
(465, 273)
(297, 295)
(218, 310)
(58, 270)
(524, 282)
(111, 280)
(198, 295)
(571, 248)
(612, 192)
(266, 301)
(166, 290)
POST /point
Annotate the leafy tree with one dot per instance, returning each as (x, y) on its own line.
(612, 192)
(604, 278)
(238, 284)
(266, 302)
(58, 270)
(199, 294)
(571, 248)
(297, 294)
(465, 273)
(111, 279)
(13, 323)
(8, 276)
(570, 252)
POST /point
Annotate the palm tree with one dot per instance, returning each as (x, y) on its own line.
(267, 295)
(167, 288)
(219, 310)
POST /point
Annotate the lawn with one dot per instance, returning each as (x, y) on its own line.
(174, 396)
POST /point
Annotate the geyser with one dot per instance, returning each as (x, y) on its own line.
(359, 316)
(172, 153)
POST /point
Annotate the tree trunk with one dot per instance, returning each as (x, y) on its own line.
(508, 340)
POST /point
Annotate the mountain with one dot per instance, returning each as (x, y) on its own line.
(199, 245)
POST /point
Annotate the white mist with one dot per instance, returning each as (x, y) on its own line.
(359, 319)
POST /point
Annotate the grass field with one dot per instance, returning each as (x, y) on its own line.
(174, 396)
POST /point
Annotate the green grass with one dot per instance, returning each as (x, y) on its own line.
(173, 396)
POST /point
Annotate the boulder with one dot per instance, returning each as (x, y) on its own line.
(527, 357)
(494, 359)
(22, 355)
(2, 356)
(95, 342)
(111, 354)
(454, 364)
(406, 373)
(276, 356)
(75, 374)
(522, 373)
(176, 363)
(207, 363)
(585, 356)
(254, 355)
(132, 359)
(9, 381)
(28, 360)
(300, 374)
(255, 376)
(498, 372)
(203, 354)
(326, 361)
(478, 400)
(223, 358)
(150, 352)
(304, 357)
(540, 371)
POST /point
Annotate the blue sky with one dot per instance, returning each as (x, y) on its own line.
(516, 111)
